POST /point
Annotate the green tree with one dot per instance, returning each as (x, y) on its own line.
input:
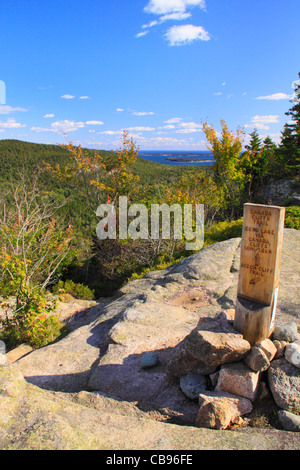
(290, 137)
(228, 173)
(98, 177)
(269, 151)
(33, 247)
(257, 162)
(254, 145)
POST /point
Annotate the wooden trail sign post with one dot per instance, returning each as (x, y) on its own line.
(259, 271)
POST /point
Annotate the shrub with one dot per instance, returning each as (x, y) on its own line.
(292, 217)
(223, 231)
(77, 290)
(29, 321)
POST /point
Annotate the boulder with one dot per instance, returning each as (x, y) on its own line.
(278, 192)
(219, 409)
(280, 346)
(183, 363)
(292, 353)
(257, 359)
(238, 379)
(284, 382)
(261, 355)
(192, 385)
(215, 344)
(287, 332)
(268, 347)
(289, 421)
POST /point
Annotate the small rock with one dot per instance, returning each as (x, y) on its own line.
(238, 379)
(215, 342)
(292, 353)
(289, 421)
(219, 409)
(230, 314)
(192, 385)
(268, 348)
(257, 360)
(149, 360)
(284, 382)
(280, 346)
(287, 332)
(261, 355)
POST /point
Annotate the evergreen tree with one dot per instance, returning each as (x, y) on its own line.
(269, 153)
(255, 143)
(290, 136)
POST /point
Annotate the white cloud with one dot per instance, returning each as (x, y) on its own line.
(177, 16)
(173, 120)
(141, 34)
(66, 126)
(150, 25)
(49, 115)
(142, 113)
(10, 124)
(68, 97)
(218, 93)
(4, 109)
(175, 10)
(271, 118)
(111, 132)
(275, 96)
(140, 129)
(191, 125)
(257, 125)
(168, 126)
(259, 122)
(94, 123)
(40, 129)
(174, 17)
(60, 127)
(186, 34)
(188, 130)
(84, 97)
(162, 7)
(119, 110)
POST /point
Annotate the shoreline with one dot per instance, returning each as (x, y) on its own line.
(188, 160)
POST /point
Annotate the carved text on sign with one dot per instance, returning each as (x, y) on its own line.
(259, 252)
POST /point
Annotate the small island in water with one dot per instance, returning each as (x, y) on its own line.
(188, 160)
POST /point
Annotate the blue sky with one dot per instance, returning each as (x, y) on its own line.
(83, 71)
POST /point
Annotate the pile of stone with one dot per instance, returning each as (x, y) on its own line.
(218, 367)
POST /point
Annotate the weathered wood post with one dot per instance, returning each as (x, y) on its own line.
(259, 271)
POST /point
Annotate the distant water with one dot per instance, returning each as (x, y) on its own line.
(160, 156)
